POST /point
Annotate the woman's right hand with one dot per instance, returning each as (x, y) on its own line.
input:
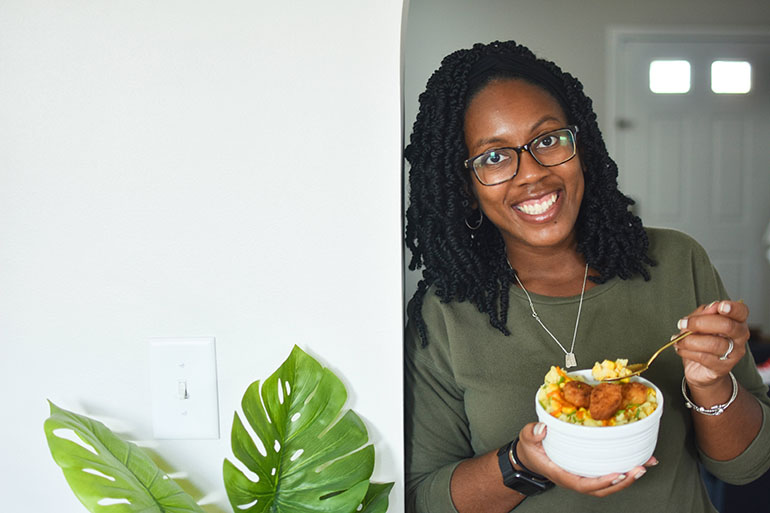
(530, 451)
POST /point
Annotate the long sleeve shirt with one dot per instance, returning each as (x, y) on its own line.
(472, 389)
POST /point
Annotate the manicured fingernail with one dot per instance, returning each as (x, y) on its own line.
(539, 428)
(654, 462)
(725, 307)
(640, 474)
(619, 479)
(674, 336)
(711, 304)
(682, 324)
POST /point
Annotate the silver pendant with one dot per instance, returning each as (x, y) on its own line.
(570, 361)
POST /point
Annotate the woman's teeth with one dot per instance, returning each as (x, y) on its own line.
(538, 206)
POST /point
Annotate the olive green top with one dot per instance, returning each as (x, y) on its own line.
(471, 389)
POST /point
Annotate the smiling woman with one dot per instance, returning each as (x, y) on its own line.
(538, 209)
(524, 239)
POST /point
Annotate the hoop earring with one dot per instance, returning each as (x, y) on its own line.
(477, 225)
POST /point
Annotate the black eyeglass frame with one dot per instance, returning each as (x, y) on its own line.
(572, 129)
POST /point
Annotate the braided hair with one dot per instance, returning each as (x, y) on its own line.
(470, 265)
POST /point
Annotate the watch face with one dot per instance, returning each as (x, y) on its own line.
(523, 482)
(527, 485)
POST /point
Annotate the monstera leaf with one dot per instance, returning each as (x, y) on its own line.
(376, 500)
(301, 460)
(108, 474)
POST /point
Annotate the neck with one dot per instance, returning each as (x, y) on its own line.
(550, 273)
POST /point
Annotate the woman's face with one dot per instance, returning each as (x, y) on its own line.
(538, 208)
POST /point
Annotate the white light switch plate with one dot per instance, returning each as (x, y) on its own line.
(184, 388)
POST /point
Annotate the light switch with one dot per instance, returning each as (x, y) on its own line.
(184, 388)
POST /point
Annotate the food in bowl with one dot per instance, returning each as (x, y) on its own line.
(570, 399)
(609, 369)
(589, 451)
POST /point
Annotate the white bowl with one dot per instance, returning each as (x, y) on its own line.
(593, 451)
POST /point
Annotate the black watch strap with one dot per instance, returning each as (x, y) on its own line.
(523, 481)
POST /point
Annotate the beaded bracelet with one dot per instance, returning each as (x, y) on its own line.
(717, 409)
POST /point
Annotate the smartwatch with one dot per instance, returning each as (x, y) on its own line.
(523, 481)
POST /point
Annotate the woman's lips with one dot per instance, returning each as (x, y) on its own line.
(539, 206)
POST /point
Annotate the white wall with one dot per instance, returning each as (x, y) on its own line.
(188, 168)
(574, 34)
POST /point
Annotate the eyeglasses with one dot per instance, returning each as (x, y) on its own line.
(499, 165)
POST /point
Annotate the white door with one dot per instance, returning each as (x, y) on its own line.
(699, 161)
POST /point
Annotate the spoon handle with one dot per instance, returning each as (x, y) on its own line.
(674, 341)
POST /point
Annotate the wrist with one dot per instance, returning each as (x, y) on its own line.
(709, 404)
(513, 457)
(716, 392)
(516, 476)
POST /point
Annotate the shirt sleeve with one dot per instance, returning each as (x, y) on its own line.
(755, 459)
(437, 436)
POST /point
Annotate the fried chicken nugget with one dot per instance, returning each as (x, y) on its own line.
(634, 393)
(577, 393)
(606, 398)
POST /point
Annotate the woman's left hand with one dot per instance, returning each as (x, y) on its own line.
(706, 354)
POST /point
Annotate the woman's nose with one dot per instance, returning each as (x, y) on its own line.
(530, 170)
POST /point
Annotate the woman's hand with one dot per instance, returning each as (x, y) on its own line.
(708, 357)
(530, 451)
(706, 353)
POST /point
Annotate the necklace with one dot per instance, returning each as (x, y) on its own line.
(569, 356)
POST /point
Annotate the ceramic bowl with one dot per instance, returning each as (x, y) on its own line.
(593, 451)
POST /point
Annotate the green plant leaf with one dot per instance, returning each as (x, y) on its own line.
(376, 500)
(301, 460)
(108, 474)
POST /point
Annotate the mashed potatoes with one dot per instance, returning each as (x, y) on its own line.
(635, 403)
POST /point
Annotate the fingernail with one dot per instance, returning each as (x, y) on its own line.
(725, 307)
(711, 304)
(682, 324)
(654, 461)
(539, 428)
(619, 479)
(674, 336)
(640, 474)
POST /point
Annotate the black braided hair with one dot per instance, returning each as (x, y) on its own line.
(466, 265)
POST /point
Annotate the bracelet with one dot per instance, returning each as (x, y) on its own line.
(717, 409)
(517, 461)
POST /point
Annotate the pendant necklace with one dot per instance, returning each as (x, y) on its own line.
(569, 358)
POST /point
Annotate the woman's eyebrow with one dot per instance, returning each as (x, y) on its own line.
(495, 139)
(543, 120)
(490, 140)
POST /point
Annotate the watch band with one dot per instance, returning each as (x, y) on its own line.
(523, 481)
(516, 461)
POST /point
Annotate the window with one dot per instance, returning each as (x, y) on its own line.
(669, 77)
(730, 77)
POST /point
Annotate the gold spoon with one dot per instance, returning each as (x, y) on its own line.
(638, 368)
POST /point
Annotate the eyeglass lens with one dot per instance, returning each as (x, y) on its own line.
(501, 164)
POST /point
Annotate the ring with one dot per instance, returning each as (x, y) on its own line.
(729, 350)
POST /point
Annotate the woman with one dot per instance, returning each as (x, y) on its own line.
(530, 259)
